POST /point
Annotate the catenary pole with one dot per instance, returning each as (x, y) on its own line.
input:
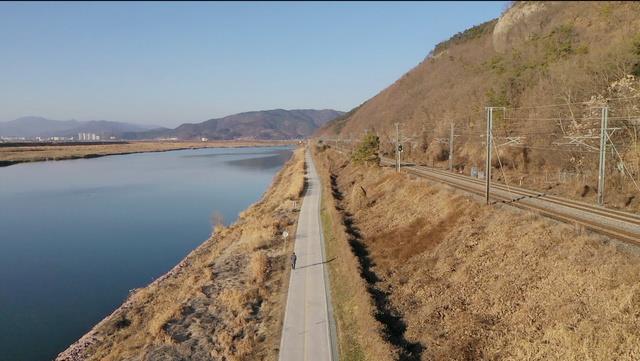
(603, 154)
(397, 147)
(487, 169)
(451, 149)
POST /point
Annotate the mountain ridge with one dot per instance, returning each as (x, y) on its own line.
(261, 124)
(37, 126)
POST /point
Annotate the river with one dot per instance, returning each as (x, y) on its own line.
(77, 235)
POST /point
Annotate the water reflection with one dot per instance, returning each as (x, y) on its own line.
(83, 191)
(262, 163)
(218, 155)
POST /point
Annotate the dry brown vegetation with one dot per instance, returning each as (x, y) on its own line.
(359, 335)
(224, 301)
(536, 54)
(465, 281)
(20, 154)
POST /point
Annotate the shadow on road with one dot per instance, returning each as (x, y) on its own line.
(317, 264)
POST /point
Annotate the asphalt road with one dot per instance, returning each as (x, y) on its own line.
(307, 331)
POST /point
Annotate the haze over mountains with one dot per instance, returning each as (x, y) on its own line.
(266, 124)
(32, 126)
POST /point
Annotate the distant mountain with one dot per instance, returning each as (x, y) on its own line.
(266, 124)
(42, 127)
(35, 126)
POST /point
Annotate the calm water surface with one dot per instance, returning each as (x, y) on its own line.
(77, 235)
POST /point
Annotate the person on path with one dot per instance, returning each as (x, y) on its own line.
(293, 260)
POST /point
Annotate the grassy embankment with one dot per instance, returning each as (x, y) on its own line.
(451, 278)
(224, 301)
(357, 330)
(19, 154)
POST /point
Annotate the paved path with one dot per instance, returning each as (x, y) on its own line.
(307, 332)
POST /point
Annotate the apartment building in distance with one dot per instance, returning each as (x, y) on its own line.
(83, 137)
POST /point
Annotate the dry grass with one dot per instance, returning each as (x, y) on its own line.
(217, 222)
(18, 154)
(474, 282)
(259, 266)
(359, 335)
(224, 301)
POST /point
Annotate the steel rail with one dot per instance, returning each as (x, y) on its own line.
(611, 213)
(472, 186)
(609, 231)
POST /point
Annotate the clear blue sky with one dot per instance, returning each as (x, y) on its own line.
(168, 63)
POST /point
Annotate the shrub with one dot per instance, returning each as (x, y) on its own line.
(217, 221)
(259, 266)
(635, 69)
(367, 150)
(497, 98)
(496, 64)
(469, 34)
(560, 43)
(321, 147)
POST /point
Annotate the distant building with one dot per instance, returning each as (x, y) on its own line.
(83, 137)
(13, 139)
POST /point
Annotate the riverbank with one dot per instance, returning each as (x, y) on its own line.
(225, 300)
(450, 278)
(17, 153)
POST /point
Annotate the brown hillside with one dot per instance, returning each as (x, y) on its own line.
(451, 279)
(551, 64)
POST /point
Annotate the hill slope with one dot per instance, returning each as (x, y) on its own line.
(458, 280)
(535, 54)
(551, 65)
(266, 124)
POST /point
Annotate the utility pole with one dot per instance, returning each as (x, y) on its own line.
(487, 169)
(451, 149)
(397, 147)
(603, 154)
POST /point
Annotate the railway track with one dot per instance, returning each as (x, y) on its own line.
(624, 216)
(614, 223)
